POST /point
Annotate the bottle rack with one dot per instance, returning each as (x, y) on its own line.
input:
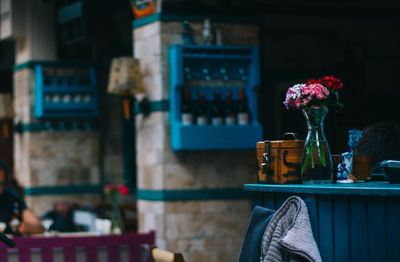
(208, 69)
(65, 91)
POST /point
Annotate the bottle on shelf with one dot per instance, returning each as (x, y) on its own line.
(242, 110)
(207, 32)
(230, 117)
(217, 116)
(201, 111)
(56, 98)
(66, 98)
(186, 109)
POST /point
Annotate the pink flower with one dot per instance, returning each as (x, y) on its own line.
(109, 188)
(313, 93)
(123, 190)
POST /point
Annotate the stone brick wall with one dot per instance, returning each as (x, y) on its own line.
(209, 230)
(51, 158)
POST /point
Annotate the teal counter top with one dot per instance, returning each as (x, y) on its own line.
(365, 189)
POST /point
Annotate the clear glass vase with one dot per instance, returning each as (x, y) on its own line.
(316, 163)
(116, 227)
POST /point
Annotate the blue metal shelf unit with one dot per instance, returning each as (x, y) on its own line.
(210, 69)
(65, 91)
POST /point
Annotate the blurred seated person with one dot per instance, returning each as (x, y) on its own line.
(61, 215)
(14, 213)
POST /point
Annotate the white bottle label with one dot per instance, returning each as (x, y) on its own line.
(187, 119)
(230, 120)
(217, 120)
(201, 120)
(243, 118)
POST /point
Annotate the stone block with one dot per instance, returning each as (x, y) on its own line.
(154, 87)
(202, 256)
(151, 66)
(148, 48)
(147, 31)
(180, 176)
(190, 226)
(151, 157)
(175, 207)
(186, 246)
(149, 221)
(151, 138)
(229, 224)
(151, 177)
(151, 206)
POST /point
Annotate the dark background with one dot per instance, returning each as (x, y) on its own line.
(356, 41)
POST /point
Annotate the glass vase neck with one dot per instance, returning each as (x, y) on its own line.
(315, 118)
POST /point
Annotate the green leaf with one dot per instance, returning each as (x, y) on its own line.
(312, 157)
(307, 149)
(303, 166)
(321, 154)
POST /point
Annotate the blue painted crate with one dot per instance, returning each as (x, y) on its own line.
(207, 69)
(65, 90)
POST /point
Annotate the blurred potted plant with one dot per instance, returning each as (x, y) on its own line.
(113, 192)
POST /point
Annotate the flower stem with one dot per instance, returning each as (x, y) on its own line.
(312, 156)
(321, 154)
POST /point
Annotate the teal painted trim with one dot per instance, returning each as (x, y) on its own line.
(146, 20)
(33, 63)
(364, 189)
(193, 194)
(70, 12)
(163, 17)
(63, 190)
(151, 106)
(56, 126)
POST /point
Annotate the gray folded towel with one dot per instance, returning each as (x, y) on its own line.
(288, 236)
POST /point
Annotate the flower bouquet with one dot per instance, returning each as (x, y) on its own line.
(313, 98)
(112, 193)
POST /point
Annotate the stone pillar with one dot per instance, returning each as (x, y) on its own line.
(207, 229)
(47, 161)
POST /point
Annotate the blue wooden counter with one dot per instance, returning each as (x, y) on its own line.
(351, 222)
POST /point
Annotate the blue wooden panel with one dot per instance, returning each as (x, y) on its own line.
(269, 200)
(358, 227)
(376, 229)
(257, 199)
(326, 237)
(341, 222)
(312, 206)
(393, 228)
(280, 198)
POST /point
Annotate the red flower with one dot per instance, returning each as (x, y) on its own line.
(331, 83)
(313, 81)
(123, 190)
(110, 188)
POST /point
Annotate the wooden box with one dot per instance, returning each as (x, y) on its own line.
(279, 161)
(361, 166)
